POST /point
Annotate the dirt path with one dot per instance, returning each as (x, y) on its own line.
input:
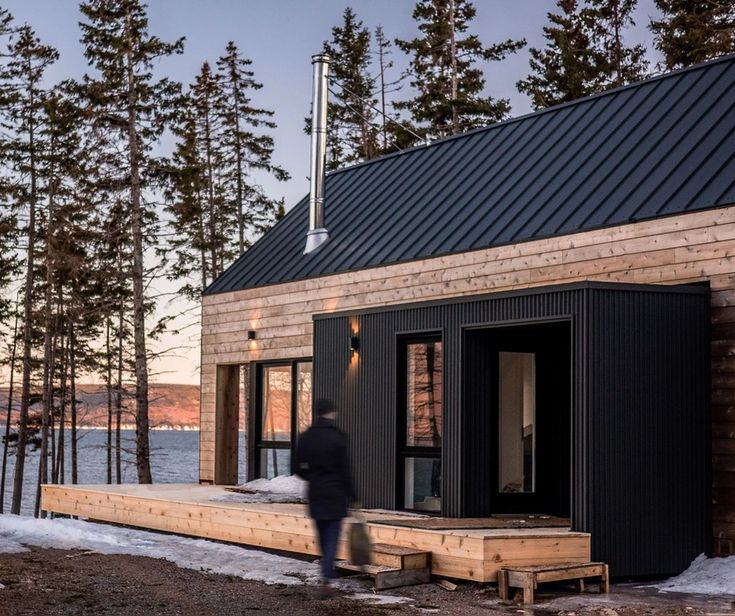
(54, 582)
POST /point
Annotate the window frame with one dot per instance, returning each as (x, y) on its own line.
(256, 443)
(404, 451)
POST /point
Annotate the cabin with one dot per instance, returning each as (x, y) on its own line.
(537, 317)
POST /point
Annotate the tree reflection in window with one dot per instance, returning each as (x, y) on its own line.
(424, 408)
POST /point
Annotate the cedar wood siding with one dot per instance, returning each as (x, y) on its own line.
(677, 249)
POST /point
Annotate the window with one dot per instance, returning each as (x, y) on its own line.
(283, 411)
(421, 424)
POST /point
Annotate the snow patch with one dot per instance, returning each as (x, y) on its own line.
(373, 599)
(283, 484)
(281, 489)
(196, 554)
(705, 576)
(9, 546)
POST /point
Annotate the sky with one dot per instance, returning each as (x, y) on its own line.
(280, 36)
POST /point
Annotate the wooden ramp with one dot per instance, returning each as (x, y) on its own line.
(189, 509)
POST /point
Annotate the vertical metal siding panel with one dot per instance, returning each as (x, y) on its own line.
(648, 477)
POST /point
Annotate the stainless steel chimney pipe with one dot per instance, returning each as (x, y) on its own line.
(317, 234)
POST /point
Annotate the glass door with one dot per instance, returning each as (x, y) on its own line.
(283, 410)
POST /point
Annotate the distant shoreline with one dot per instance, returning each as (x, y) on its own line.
(132, 428)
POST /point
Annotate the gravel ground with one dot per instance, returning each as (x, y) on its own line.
(54, 582)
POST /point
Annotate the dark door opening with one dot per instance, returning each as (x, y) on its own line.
(521, 382)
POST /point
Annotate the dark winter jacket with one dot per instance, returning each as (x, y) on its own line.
(322, 458)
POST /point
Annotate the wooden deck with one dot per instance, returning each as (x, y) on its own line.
(188, 509)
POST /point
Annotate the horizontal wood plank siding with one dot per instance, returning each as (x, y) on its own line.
(673, 250)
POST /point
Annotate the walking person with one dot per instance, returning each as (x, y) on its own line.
(322, 459)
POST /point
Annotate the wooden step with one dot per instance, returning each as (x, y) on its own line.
(399, 557)
(385, 577)
(529, 577)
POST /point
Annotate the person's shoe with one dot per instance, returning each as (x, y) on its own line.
(326, 591)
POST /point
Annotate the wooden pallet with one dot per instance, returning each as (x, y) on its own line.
(528, 578)
(393, 566)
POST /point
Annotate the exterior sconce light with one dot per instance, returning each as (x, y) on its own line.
(251, 334)
(354, 344)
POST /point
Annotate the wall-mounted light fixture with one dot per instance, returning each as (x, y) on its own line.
(354, 343)
(251, 334)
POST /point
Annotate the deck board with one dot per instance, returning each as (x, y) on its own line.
(187, 509)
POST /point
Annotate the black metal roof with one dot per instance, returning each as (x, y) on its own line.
(655, 148)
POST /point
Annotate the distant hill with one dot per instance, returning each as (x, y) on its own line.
(172, 406)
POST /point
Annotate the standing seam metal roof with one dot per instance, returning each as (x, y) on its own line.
(654, 148)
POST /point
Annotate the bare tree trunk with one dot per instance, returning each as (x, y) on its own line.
(118, 394)
(618, 45)
(48, 357)
(453, 51)
(210, 199)
(73, 402)
(143, 462)
(238, 158)
(52, 436)
(381, 42)
(20, 456)
(108, 356)
(9, 418)
(62, 414)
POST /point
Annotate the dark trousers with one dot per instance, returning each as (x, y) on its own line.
(328, 535)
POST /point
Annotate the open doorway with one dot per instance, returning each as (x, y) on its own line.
(520, 381)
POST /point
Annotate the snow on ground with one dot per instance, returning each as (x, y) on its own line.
(705, 576)
(374, 599)
(281, 489)
(197, 554)
(283, 484)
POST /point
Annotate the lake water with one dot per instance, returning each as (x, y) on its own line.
(174, 459)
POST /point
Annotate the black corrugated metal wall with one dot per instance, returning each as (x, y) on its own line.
(639, 419)
(646, 430)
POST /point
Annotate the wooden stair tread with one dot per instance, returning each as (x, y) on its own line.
(369, 569)
(385, 577)
(397, 550)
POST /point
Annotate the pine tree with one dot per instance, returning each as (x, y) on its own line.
(693, 31)
(186, 205)
(619, 64)
(25, 70)
(391, 132)
(245, 147)
(567, 68)
(9, 262)
(585, 53)
(128, 101)
(352, 134)
(217, 207)
(449, 85)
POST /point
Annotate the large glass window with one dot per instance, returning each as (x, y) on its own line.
(517, 419)
(421, 436)
(283, 412)
(276, 425)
